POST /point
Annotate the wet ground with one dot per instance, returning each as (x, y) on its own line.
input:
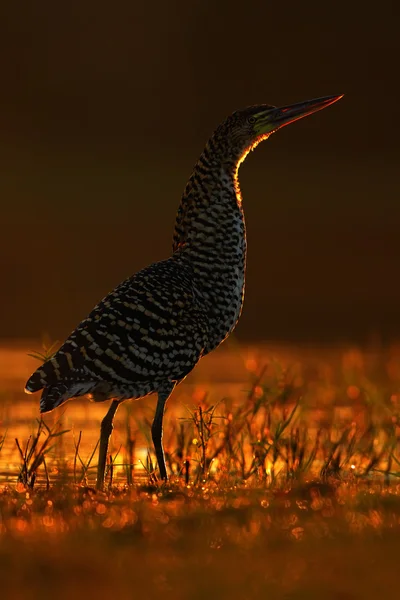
(334, 378)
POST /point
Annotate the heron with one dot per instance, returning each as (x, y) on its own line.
(149, 333)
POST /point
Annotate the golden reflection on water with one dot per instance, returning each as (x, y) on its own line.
(337, 383)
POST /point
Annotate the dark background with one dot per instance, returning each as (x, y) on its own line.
(105, 107)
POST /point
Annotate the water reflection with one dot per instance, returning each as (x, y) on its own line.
(350, 387)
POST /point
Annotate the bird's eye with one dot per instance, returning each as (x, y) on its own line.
(251, 120)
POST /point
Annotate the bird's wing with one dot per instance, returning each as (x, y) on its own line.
(150, 328)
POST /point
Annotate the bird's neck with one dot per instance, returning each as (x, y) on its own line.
(211, 211)
(210, 235)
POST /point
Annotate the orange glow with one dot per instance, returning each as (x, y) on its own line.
(20, 524)
(353, 359)
(298, 532)
(101, 509)
(353, 392)
(254, 145)
(258, 392)
(393, 368)
(48, 521)
(199, 394)
(251, 365)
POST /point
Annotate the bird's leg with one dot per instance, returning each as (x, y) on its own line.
(157, 430)
(105, 432)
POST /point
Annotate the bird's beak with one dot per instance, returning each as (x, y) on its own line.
(274, 119)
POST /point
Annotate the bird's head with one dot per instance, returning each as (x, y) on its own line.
(245, 129)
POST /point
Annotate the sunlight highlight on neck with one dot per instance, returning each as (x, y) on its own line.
(252, 146)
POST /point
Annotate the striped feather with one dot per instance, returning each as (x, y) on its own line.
(150, 330)
(58, 393)
(154, 327)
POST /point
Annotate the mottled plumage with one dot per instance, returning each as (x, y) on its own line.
(150, 331)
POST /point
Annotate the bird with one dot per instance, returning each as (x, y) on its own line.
(150, 332)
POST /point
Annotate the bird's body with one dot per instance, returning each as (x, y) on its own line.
(147, 333)
(152, 329)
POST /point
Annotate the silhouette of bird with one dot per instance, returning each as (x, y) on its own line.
(147, 334)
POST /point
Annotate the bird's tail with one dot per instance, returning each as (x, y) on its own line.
(58, 393)
(37, 380)
(55, 369)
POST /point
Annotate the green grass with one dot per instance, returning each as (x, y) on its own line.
(291, 491)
